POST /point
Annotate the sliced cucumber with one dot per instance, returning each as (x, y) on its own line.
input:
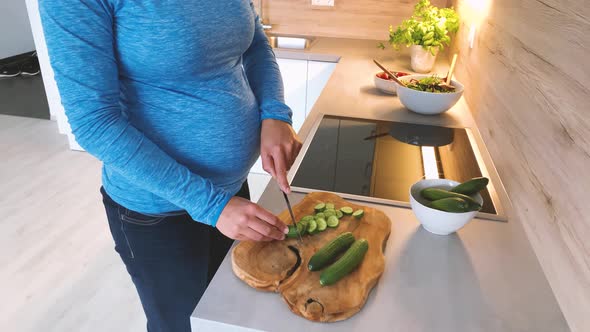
(320, 207)
(347, 210)
(302, 227)
(329, 212)
(307, 218)
(358, 213)
(320, 215)
(333, 221)
(312, 226)
(322, 224)
(339, 214)
(329, 206)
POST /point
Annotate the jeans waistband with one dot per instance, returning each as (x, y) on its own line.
(163, 214)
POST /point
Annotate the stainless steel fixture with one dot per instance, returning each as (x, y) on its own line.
(290, 42)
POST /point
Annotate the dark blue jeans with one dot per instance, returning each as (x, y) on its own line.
(171, 260)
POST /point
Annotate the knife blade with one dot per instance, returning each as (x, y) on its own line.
(292, 215)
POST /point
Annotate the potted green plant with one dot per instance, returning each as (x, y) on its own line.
(426, 32)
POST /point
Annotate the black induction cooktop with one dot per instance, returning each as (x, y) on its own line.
(380, 159)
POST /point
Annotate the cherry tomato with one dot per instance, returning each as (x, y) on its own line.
(383, 76)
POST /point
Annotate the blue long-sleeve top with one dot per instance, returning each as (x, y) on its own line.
(169, 95)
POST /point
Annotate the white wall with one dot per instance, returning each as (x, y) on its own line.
(55, 107)
(15, 31)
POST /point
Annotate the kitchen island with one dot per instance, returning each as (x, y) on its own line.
(483, 278)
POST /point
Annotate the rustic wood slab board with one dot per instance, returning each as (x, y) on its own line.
(281, 266)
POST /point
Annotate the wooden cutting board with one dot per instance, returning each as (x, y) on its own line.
(281, 266)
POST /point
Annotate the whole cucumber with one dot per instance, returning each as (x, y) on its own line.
(433, 194)
(346, 264)
(451, 204)
(293, 232)
(472, 186)
(328, 253)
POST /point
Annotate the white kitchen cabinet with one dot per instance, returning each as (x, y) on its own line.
(318, 74)
(294, 74)
(304, 81)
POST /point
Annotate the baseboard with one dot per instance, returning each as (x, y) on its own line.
(15, 58)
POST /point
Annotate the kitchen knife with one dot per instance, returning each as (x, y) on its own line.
(292, 215)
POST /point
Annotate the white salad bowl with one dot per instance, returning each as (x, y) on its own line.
(433, 220)
(428, 103)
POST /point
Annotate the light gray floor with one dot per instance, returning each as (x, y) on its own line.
(23, 96)
(58, 269)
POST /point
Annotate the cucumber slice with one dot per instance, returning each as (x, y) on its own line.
(329, 206)
(329, 212)
(339, 214)
(312, 226)
(358, 214)
(307, 218)
(320, 207)
(333, 221)
(322, 224)
(347, 210)
(302, 227)
(320, 215)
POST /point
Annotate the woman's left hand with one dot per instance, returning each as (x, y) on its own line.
(279, 147)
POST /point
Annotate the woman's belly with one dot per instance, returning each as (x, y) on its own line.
(211, 127)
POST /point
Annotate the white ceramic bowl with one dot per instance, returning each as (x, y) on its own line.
(428, 102)
(436, 221)
(386, 86)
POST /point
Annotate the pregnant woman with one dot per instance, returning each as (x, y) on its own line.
(177, 98)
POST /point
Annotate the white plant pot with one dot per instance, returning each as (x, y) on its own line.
(422, 60)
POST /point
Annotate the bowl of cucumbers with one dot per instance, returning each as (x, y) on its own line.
(445, 206)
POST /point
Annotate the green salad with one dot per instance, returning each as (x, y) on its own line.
(430, 84)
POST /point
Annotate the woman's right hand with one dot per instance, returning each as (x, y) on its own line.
(243, 220)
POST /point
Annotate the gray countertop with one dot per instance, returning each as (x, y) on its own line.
(483, 278)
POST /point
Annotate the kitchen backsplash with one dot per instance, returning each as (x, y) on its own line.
(364, 19)
(528, 88)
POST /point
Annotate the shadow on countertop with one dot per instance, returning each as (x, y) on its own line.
(438, 289)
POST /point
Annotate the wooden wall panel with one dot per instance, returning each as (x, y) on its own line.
(363, 19)
(527, 84)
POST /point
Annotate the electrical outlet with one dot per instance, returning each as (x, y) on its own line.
(326, 3)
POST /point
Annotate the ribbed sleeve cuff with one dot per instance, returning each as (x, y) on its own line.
(215, 209)
(276, 110)
(280, 117)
